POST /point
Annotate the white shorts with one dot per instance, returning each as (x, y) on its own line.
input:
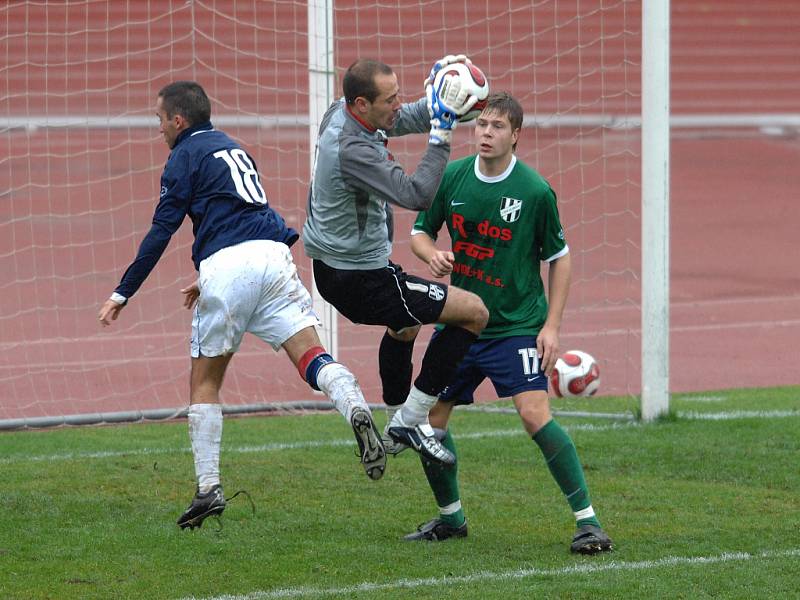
(253, 287)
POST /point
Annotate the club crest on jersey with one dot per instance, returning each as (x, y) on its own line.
(510, 209)
(163, 191)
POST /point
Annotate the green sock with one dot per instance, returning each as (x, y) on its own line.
(562, 460)
(443, 480)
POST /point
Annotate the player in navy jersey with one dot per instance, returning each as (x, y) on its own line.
(247, 282)
(503, 223)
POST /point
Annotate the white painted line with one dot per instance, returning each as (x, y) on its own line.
(739, 414)
(476, 435)
(705, 399)
(584, 568)
(275, 447)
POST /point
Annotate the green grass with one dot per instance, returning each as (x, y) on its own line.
(697, 509)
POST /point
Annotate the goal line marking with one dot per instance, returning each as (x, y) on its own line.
(489, 576)
(308, 444)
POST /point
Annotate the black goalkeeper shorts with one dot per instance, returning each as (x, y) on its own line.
(386, 296)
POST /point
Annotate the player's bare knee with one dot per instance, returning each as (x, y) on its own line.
(465, 309)
(481, 314)
(477, 313)
(534, 416)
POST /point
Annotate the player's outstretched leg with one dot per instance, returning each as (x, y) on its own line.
(208, 504)
(323, 373)
(342, 388)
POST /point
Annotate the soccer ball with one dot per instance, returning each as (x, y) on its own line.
(576, 374)
(471, 77)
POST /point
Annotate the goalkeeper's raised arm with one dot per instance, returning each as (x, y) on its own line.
(348, 235)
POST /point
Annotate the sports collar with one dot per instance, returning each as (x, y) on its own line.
(495, 178)
(207, 126)
(363, 123)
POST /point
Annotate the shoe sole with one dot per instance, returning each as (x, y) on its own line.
(426, 537)
(593, 547)
(373, 454)
(197, 521)
(590, 549)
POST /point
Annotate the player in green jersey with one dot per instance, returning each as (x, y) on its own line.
(503, 221)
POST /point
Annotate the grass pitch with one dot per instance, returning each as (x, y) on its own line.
(702, 504)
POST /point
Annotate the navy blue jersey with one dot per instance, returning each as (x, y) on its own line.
(209, 177)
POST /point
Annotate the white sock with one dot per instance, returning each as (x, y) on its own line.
(205, 432)
(586, 513)
(341, 388)
(390, 412)
(416, 408)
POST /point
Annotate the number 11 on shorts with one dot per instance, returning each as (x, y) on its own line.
(530, 360)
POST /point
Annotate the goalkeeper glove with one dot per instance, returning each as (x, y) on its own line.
(448, 93)
(442, 120)
(443, 62)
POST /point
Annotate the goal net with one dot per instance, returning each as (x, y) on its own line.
(81, 161)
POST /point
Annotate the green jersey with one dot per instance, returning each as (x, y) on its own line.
(501, 229)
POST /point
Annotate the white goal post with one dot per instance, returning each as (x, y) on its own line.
(655, 208)
(321, 90)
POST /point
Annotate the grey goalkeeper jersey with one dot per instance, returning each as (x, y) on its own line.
(348, 223)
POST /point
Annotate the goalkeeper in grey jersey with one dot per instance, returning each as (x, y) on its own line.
(348, 235)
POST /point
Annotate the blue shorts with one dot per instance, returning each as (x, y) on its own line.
(511, 364)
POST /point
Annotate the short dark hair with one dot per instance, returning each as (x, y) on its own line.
(504, 103)
(359, 80)
(187, 99)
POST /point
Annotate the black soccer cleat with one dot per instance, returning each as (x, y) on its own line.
(370, 445)
(422, 439)
(436, 530)
(590, 539)
(212, 503)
